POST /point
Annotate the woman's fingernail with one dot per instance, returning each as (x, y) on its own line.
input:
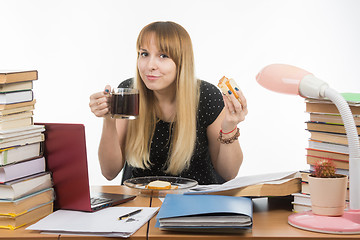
(236, 89)
(229, 92)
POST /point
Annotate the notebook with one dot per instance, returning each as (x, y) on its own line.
(66, 158)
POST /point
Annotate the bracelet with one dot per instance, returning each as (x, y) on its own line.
(228, 140)
(228, 132)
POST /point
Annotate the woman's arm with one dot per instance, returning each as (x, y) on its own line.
(112, 142)
(112, 147)
(227, 158)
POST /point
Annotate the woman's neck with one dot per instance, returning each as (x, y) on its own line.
(166, 105)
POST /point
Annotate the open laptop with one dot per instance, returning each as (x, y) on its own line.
(66, 158)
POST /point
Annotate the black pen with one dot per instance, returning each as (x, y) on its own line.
(129, 214)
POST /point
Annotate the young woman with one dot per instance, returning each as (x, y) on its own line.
(186, 127)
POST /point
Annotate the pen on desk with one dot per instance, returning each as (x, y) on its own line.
(129, 214)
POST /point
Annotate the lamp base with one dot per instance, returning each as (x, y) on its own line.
(348, 223)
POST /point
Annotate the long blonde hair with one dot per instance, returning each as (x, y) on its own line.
(173, 40)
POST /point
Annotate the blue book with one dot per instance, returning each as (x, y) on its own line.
(205, 212)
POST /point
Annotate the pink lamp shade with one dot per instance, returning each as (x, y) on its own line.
(281, 78)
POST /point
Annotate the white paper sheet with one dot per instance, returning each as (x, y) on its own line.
(101, 223)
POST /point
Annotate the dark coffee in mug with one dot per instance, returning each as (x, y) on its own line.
(124, 103)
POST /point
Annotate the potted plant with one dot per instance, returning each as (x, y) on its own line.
(327, 189)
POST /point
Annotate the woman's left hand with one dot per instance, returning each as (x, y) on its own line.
(235, 110)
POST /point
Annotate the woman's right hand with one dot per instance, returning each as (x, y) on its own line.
(99, 102)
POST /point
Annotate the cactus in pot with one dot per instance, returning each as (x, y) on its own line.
(327, 189)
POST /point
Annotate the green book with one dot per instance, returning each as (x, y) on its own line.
(351, 97)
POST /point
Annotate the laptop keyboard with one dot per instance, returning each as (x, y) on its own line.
(98, 200)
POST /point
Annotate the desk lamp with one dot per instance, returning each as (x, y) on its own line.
(292, 80)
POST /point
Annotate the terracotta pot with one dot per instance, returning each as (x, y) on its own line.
(328, 195)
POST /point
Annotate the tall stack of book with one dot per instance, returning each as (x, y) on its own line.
(26, 192)
(328, 138)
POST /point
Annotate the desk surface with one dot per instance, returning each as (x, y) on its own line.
(269, 222)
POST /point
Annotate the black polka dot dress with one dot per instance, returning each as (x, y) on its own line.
(201, 168)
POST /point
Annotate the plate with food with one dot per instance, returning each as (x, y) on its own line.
(159, 186)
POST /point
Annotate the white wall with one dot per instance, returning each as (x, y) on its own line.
(79, 46)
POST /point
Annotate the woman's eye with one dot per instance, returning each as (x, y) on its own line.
(164, 56)
(143, 54)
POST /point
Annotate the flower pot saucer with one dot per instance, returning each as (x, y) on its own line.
(348, 223)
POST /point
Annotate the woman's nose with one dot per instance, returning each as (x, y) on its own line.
(152, 64)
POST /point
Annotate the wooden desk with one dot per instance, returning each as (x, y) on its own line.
(139, 201)
(21, 233)
(269, 222)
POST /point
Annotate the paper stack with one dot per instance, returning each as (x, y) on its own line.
(26, 193)
(103, 223)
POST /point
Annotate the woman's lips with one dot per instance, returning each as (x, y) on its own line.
(151, 77)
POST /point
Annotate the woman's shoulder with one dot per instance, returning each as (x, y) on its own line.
(208, 89)
(205, 84)
(210, 103)
(128, 83)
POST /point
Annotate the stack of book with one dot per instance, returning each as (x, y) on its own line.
(328, 138)
(26, 192)
(302, 200)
